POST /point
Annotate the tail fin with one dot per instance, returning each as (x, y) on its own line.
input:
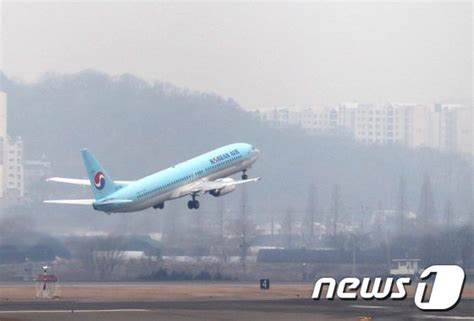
(101, 182)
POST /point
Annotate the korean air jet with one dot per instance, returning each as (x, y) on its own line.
(207, 173)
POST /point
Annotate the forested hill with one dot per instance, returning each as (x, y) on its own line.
(136, 128)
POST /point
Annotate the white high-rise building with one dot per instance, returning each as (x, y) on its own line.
(311, 120)
(379, 124)
(3, 139)
(456, 128)
(14, 168)
(11, 157)
(443, 127)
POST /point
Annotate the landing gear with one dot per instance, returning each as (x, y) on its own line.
(193, 204)
(159, 205)
(244, 174)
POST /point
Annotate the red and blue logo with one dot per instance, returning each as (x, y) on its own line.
(99, 180)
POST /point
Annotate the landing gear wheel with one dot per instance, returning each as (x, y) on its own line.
(191, 204)
(244, 174)
(159, 205)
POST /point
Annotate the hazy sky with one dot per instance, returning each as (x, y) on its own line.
(262, 55)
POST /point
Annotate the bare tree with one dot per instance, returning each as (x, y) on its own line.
(402, 205)
(336, 209)
(448, 214)
(221, 210)
(85, 255)
(102, 256)
(426, 210)
(244, 229)
(244, 203)
(108, 256)
(311, 209)
(169, 227)
(287, 227)
(242, 232)
(426, 207)
(272, 224)
(467, 239)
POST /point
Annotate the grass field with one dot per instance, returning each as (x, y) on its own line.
(174, 291)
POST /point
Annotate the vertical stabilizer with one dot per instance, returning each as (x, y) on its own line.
(101, 182)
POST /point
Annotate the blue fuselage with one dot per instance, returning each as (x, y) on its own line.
(176, 181)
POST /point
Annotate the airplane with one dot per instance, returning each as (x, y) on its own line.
(207, 173)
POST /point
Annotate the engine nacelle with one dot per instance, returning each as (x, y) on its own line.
(224, 190)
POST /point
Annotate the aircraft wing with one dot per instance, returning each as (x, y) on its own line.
(71, 202)
(114, 201)
(204, 186)
(211, 185)
(79, 181)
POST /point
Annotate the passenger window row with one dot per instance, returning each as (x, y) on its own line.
(187, 177)
(166, 186)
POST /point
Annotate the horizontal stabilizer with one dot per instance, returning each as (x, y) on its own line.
(75, 181)
(79, 181)
(71, 202)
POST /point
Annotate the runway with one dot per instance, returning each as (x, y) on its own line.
(275, 310)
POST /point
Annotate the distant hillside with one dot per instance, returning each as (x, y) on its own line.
(136, 128)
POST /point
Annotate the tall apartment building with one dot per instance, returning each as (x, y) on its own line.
(378, 125)
(444, 127)
(464, 130)
(11, 157)
(3, 138)
(408, 124)
(456, 128)
(14, 168)
(310, 120)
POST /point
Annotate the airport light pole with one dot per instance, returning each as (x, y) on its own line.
(244, 245)
(244, 230)
(355, 242)
(357, 238)
(353, 256)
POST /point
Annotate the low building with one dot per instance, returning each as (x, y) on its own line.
(405, 267)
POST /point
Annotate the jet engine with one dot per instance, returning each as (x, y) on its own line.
(224, 190)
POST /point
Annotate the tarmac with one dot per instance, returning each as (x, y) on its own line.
(226, 309)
